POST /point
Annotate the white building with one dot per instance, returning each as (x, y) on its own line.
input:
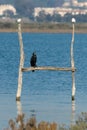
(61, 11)
(7, 7)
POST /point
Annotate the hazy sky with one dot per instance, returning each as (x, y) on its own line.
(6, 1)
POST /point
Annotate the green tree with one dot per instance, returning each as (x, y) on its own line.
(25, 8)
(56, 17)
(8, 13)
(67, 17)
(41, 17)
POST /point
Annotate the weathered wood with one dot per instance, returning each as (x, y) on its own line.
(72, 44)
(48, 68)
(21, 62)
(72, 61)
(22, 69)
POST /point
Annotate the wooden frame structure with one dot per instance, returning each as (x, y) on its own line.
(22, 69)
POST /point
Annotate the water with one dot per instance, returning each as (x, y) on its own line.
(45, 94)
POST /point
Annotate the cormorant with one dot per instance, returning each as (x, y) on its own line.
(33, 60)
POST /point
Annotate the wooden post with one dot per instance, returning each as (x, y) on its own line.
(21, 69)
(21, 61)
(72, 62)
(48, 68)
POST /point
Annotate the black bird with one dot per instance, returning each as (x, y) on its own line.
(33, 60)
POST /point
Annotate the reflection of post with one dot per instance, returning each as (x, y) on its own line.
(19, 108)
(72, 62)
(73, 86)
(73, 113)
(20, 115)
(21, 61)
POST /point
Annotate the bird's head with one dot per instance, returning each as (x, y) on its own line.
(34, 53)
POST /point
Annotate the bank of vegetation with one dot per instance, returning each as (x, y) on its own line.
(43, 27)
(31, 124)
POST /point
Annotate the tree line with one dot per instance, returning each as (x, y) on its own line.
(26, 7)
(42, 17)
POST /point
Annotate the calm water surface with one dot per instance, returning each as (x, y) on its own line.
(45, 94)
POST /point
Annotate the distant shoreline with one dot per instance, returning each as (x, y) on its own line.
(44, 27)
(42, 31)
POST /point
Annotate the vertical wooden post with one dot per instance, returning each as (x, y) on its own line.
(21, 61)
(72, 62)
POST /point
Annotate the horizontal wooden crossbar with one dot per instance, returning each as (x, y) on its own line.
(48, 68)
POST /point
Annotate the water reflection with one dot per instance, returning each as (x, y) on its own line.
(20, 115)
(31, 123)
(19, 108)
(73, 113)
(33, 112)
